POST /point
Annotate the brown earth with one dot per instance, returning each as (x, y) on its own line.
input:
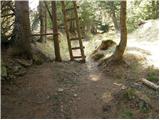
(67, 90)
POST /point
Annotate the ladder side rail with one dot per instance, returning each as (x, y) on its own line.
(78, 30)
(66, 29)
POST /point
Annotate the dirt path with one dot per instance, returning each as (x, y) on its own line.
(57, 90)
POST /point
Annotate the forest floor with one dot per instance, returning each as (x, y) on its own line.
(74, 90)
(82, 90)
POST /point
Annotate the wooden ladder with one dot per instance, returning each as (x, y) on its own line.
(79, 38)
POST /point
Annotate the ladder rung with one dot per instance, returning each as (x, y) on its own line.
(72, 39)
(79, 57)
(69, 9)
(74, 48)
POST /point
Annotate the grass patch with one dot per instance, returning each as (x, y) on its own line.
(127, 114)
(143, 107)
(152, 74)
(129, 94)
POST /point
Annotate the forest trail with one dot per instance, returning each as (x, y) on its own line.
(76, 90)
(57, 90)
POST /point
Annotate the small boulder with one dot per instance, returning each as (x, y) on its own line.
(106, 44)
(25, 63)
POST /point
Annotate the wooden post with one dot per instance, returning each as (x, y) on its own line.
(55, 31)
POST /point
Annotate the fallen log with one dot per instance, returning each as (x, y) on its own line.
(149, 84)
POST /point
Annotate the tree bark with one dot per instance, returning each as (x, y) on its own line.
(55, 31)
(22, 29)
(118, 54)
(42, 20)
(45, 23)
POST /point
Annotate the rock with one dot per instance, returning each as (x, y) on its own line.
(11, 77)
(16, 68)
(60, 89)
(20, 73)
(123, 87)
(25, 63)
(75, 95)
(106, 44)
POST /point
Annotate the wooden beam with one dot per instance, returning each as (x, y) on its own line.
(149, 84)
(45, 34)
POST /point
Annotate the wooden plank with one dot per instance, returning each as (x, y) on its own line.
(66, 29)
(79, 57)
(45, 34)
(149, 84)
(73, 39)
(75, 48)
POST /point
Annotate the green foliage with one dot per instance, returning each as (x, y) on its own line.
(104, 27)
(129, 94)
(143, 107)
(127, 114)
(152, 74)
(139, 11)
(35, 20)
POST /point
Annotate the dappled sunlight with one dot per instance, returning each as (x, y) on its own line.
(107, 96)
(148, 49)
(94, 77)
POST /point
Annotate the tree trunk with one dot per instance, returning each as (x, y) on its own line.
(42, 20)
(118, 54)
(55, 31)
(113, 15)
(22, 30)
(45, 23)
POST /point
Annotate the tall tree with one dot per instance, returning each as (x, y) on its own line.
(42, 16)
(55, 31)
(118, 54)
(22, 29)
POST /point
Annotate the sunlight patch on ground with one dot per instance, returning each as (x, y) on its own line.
(94, 77)
(150, 50)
